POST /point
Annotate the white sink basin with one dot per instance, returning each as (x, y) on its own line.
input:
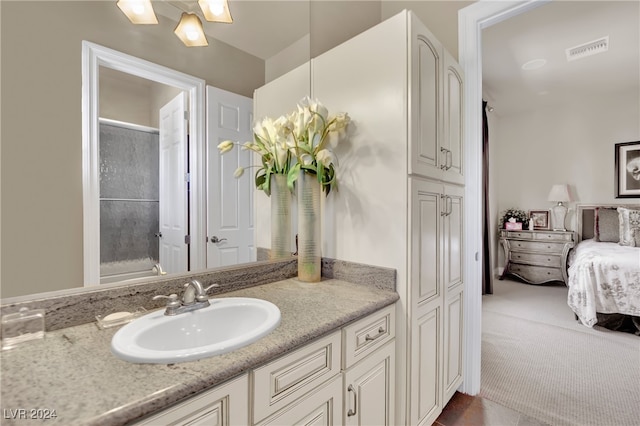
(228, 324)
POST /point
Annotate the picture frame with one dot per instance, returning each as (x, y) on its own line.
(540, 219)
(627, 170)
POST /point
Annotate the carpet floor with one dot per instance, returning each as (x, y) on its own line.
(536, 359)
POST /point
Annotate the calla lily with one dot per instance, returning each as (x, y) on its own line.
(307, 133)
(306, 159)
(225, 146)
(325, 157)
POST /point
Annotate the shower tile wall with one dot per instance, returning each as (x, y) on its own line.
(129, 182)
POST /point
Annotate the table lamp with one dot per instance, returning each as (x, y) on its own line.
(559, 194)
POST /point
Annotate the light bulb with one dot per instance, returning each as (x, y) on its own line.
(217, 8)
(192, 34)
(138, 9)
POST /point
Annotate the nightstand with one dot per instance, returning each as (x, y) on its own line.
(537, 256)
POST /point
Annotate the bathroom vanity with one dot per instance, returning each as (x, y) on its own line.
(334, 348)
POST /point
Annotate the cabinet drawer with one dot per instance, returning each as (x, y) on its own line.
(553, 261)
(547, 247)
(536, 274)
(288, 378)
(222, 405)
(366, 335)
(518, 234)
(550, 236)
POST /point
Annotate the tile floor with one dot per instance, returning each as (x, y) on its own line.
(465, 410)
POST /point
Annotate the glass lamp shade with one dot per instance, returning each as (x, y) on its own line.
(216, 11)
(138, 11)
(190, 31)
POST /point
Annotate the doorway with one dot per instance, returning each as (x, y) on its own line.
(95, 58)
(471, 20)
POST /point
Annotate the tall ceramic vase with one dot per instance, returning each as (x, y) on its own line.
(280, 217)
(309, 238)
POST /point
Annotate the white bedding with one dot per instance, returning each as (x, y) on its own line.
(605, 278)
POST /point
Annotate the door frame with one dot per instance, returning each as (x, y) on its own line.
(471, 21)
(93, 57)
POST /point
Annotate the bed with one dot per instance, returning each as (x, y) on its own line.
(604, 268)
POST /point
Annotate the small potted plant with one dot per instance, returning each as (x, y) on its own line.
(513, 219)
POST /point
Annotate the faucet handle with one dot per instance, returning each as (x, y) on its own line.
(172, 301)
(210, 287)
(203, 296)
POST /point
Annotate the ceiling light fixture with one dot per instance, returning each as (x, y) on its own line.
(216, 11)
(190, 30)
(534, 64)
(138, 11)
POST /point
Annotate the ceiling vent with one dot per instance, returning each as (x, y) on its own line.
(587, 49)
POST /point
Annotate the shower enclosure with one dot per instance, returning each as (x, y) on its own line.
(129, 200)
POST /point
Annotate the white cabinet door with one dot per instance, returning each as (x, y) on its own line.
(426, 353)
(426, 102)
(426, 242)
(453, 312)
(321, 407)
(225, 405)
(452, 140)
(452, 235)
(369, 389)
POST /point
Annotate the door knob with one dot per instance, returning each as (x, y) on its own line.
(216, 240)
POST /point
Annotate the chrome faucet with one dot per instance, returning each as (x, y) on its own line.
(194, 297)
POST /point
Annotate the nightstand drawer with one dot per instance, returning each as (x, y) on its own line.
(551, 236)
(552, 261)
(547, 247)
(535, 274)
(517, 234)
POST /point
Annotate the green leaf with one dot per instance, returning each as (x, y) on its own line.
(293, 175)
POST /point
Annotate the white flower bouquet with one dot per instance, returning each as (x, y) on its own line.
(294, 143)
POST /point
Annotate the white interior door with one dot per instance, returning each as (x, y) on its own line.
(230, 221)
(173, 186)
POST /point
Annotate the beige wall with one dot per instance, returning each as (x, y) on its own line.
(571, 143)
(41, 124)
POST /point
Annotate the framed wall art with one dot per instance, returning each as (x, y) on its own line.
(540, 219)
(627, 170)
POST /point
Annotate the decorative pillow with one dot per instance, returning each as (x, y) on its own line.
(629, 222)
(606, 225)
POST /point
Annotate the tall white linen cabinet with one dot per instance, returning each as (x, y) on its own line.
(400, 199)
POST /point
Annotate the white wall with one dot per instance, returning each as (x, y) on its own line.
(572, 143)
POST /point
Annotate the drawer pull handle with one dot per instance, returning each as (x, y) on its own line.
(355, 402)
(381, 332)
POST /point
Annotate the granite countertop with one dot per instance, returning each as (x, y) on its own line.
(73, 372)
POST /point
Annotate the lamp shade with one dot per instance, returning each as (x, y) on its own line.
(216, 11)
(190, 30)
(559, 193)
(138, 11)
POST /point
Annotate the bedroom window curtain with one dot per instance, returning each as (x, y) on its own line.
(487, 276)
